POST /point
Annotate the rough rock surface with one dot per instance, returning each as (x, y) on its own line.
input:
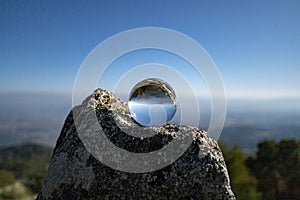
(74, 173)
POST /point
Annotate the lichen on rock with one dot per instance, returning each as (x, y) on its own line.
(74, 173)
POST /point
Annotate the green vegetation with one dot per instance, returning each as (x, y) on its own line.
(6, 178)
(22, 168)
(243, 184)
(277, 168)
(273, 173)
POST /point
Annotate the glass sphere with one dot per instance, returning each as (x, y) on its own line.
(152, 102)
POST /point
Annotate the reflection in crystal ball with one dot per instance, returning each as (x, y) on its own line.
(152, 102)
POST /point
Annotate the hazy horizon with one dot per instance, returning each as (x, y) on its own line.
(39, 117)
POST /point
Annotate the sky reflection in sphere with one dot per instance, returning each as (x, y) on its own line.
(152, 102)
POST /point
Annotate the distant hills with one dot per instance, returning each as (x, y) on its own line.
(32, 118)
(24, 161)
(247, 136)
(29, 131)
(38, 118)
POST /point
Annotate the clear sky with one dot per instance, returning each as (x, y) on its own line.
(255, 44)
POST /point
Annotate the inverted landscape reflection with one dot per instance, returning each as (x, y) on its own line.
(152, 102)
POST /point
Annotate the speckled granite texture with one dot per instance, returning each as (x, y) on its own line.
(73, 173)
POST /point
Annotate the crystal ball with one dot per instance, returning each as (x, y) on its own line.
(152, 102)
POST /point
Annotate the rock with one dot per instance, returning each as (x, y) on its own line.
(75, 173)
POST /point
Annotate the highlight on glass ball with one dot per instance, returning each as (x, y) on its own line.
(152, 102)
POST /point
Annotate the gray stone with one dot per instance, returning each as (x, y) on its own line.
(74, 173)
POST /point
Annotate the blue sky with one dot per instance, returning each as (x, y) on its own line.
(255, 44)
